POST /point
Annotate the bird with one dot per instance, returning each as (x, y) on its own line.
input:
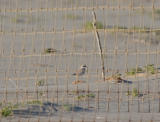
(81, 71)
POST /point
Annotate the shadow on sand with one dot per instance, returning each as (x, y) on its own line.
(46, 109)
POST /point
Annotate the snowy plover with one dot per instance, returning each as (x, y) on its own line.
(81, 71)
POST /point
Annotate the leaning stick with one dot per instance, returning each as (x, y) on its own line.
(99, 44)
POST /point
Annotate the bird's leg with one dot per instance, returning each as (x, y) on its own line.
(77, 80)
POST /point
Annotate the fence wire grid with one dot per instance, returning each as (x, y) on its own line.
(80, 60)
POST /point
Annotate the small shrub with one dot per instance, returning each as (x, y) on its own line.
(6, 111)
(84, 96)
(134, 92)
(67, 107)
(80, 97)
(128, 93)
(50, 50)
(150, 69)
(40, 83)
(134, 71)
(89, 26)
(35, 102)
(90, 95)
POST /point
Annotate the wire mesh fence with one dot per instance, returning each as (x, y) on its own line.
(80, 60)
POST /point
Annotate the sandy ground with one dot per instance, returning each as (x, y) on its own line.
(25, 35)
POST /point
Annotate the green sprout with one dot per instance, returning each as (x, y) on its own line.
(134, 92)
(6, 111)
(150, 68)
(40, 83)
(34, 102)
(84, 96)
(90, 95)
(50, 50)
(67, 107)
(89, 26)
(134, 71)
(128, 93)
(81, 97)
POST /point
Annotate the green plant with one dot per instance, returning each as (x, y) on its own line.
(50, 50)
(40, 83)
(134, 71)
(90, 95)
(139, 70)
(128, 93)
(150, 68)
(6, 111)
(84, 96)
(35, 102)
(67, 107)
(134, 92)
(89, 26)
(80, 97)
(16, 105)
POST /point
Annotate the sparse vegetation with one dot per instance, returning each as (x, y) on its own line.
(89, 26)
(134, 71)
(50, 50)
(150, 69)
(91, 95)
(6, 111)
(35, 102)
(134, 92)
(40, 83)
(80, 97)
(67, 107)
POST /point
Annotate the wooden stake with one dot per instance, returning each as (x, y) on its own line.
(99, 44)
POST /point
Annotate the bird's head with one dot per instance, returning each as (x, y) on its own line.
(84, 66)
